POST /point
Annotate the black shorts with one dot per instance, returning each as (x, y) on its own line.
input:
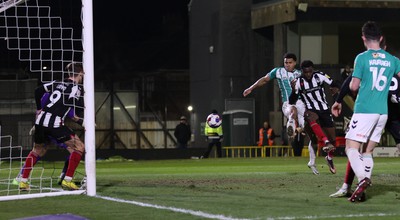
(61, 134)
(393, 126)
(324, 117)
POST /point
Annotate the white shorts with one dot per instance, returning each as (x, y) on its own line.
(286, 107)
(364, 127)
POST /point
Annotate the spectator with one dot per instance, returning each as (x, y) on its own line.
(213, 132)
(182, 133)
(266, 135)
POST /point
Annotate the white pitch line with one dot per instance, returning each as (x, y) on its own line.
(185, 211)
(223, 217)
(335, 216)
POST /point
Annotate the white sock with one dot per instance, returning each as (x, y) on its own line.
(311, 152)
(68, 178)
(356, 161)
(290, 117)
(369, 164)
(300, 120)
(344, 187)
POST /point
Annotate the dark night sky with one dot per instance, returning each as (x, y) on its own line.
(129, 37)
(141, 36)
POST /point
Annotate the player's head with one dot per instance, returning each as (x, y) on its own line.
(75, 72)
(289, 61)
(307, 67)
(371, 32)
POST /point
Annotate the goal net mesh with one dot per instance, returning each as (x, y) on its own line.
(47, 44)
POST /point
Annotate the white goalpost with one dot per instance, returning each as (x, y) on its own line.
(88, 65)
(40, 38)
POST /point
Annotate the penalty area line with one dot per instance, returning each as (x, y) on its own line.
(174, 209)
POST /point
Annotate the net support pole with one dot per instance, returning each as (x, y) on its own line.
(88, 65)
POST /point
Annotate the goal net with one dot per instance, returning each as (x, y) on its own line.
(47, 43)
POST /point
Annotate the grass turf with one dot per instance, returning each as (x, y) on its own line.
(258, 188)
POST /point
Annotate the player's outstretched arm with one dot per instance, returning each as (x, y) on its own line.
(260, 82)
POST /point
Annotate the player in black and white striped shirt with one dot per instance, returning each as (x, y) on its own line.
(64, 97)
(310, 88)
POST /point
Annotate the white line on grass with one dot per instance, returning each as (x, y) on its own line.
(185, 211)
(335, 216)
(222, 217)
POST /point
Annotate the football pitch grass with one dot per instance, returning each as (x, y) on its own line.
(254, 188)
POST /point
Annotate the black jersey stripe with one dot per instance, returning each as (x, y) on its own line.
(313, 93)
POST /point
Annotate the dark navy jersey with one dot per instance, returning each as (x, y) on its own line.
(394, 86)
(394, 99)
(64, 97)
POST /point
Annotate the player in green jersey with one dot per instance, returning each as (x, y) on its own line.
(373, 71)
(284, 76)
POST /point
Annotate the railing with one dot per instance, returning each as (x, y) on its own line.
(257, 151)
(276, 151)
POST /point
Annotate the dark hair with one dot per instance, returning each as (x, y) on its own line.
(74, 68)
(214, 111)
(306, 64)
(371, 30)
(290, 56)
